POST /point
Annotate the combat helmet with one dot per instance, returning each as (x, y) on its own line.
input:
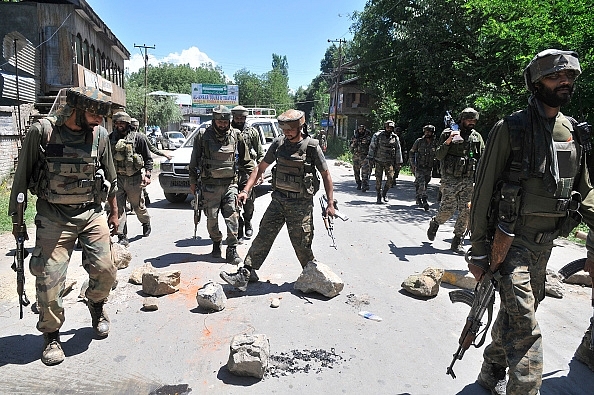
(548, 62)
(122, 116)
(239, 110)
(291, 119)
(134, 122)
(89, 99)
(221, 112)
(389, 123)
(430, 128)
(469, 113)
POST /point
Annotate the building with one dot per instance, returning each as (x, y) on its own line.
(47, 46)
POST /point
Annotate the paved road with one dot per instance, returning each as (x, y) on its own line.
(181, 348)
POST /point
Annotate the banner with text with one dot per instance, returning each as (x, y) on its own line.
(211, 95)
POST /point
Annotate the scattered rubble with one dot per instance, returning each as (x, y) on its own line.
(249, 355)
(580, 278)
(459, 278)
(317, 277)
(159, 283)
(211, 296)
(553, 285)
(275, 302)
(136, 276)
(150, 304)
(304, 361)
(425, 284)
(121, 256)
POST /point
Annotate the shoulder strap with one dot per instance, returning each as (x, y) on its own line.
(517, 126)
(47, 129)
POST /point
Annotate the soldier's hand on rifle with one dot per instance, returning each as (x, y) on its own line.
(478, 266)
(17, 230)
(242, 197)
(330, 210)
(589, 267)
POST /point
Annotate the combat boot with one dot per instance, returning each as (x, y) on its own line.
(492, 378)
(146, 229)
(358, 185)
(253, 276)
(240, 228)
(364, 187)
(583, 352)
(231, 256)
(216, 249)
(52, 351)
(379, 198)
(123, 240)
(419, 202)
(385, 195)
(457, 245)
(99, 317)
(425, 204)
(239, 280)
(249, 231)
(432, 231)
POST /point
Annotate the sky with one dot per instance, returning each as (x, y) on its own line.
(232, 34)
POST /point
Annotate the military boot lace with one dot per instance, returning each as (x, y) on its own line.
(99, 318)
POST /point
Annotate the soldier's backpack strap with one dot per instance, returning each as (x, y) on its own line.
(517, 124)
(310, 160)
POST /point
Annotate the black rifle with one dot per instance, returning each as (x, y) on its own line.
(21, 253)
(329, 221)
(197, 203)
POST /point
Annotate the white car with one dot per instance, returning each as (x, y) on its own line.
(175, 175)
(173, 140)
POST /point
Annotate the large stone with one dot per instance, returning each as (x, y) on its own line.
(121, 256)
(211, 296)
(425, 284)
(249, 356)
(160, 283)
(317, 277)
(459, 278)
(580, 278)
(553, 285)
(136, 276)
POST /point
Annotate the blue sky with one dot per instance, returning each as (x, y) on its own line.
(232, 34)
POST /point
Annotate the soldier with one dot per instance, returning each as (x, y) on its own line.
(254, 145)
(294, 184)
(421, 157)
(66, 161)
(458, 152)
(533, 165)
(360, 147)
(398, 166)
(134, 164)
(384, 152)
(218, 157)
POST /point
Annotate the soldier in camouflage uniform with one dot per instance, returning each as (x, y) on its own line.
(360, 147)
(384, 152)
(458, 152)
(252, 139)
(294, 183)
(66, 161)
(404, 150)
(538, 153)
(134, 164)
(421, 156)
(219, 155)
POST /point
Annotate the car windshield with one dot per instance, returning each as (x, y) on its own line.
(175, 135)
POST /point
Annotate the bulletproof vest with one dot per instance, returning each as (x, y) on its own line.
(218, 157)
(462, 158)
(246, 133)
(126, 160)
(66, 174)
(425, 153)
(386, 147)
(362, 142)
(294, 173)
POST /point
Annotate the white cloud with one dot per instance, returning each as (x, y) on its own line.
(192, 56)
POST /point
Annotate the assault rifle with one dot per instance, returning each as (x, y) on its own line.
(449, 121)
(328, 220)
(481, 300)
(21, 253)
(197, 203)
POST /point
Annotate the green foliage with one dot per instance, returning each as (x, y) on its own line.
(178, 78)
(5, 220)
(339, 149)
(161, 110)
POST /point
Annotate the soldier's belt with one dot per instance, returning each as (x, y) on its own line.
(537, 236)
(288, 195)
(84, 183)
(218, 181)
(539, 205)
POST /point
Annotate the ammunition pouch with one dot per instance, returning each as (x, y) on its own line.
(510, 199)
(459, 166)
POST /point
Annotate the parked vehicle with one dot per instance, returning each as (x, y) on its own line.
(174, 177)
(173, 140)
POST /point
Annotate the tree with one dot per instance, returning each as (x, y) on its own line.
(280, 63)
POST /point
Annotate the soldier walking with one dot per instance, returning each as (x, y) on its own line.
(134, 164)
(66, 161)
(458, 152)
(360, 147)
(294, 184)
(254, 145)
(218, 157)
(384, 152)
(421, 157)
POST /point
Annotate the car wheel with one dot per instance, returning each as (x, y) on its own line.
(176, 197)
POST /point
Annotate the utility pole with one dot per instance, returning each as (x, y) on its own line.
(338, 72)
(145, 80)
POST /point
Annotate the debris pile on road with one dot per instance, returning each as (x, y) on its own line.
(304, 361)
(317, 277)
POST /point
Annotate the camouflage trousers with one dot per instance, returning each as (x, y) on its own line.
(298, 215)
(516, 338)
(130, 188)
(583, 352)
(221, 198)
(456, 194)
(49, 263)
(358, 163)
(247, 210)
(380, 169)
(422, 178)
(365, 173)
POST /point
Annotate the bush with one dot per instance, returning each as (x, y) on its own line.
(5, 220)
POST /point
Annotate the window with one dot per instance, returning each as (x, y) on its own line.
(85, 54)
(78, 49)
(93, 57)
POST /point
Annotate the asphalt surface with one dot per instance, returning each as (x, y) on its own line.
(319, 345)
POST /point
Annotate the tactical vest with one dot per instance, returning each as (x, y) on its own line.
(361, 143)
(462, 158)
(219, 159)
(386, 147)
(66, 173)
(294, 174)
(126, 160)
(425, 154)
(246, 133)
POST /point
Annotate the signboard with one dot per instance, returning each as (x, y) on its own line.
(211, 95)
